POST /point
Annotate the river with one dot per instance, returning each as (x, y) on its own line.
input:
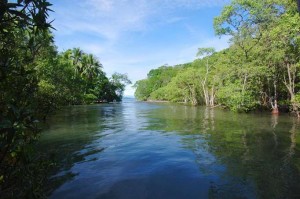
(167, 151)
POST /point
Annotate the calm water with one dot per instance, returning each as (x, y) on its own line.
(161, 151)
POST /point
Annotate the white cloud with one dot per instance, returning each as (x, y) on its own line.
(112, 18)
(190, 3)
(137, 67)
(107, 19)
(102, 27)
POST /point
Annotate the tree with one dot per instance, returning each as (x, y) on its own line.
(184, 87)
(209, 94)
(22, 25)
(156, 78)
(286, 33)
(91, 66)
(260, 69)
(118, 82)
(143, 89)
(252, 25)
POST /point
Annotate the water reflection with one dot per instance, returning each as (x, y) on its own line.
(248, 152)
(141, 150)
(72, 135)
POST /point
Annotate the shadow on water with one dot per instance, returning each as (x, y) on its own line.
(142, 150)
(69, 137)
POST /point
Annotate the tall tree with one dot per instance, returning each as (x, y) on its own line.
(209, 94)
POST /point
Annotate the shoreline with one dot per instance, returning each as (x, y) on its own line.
(157, 101)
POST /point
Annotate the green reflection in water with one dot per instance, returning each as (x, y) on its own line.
(258, 148)
(237, 155)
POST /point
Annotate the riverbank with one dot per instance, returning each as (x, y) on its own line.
(157, 101)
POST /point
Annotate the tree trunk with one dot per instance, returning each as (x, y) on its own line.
(275, 108)
(205, 93)
(193, 97)
(290, 85)
(244, 87)
(212, 98)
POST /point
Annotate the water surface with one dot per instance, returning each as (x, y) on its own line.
(161, 151)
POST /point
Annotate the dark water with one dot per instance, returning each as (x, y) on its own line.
(161, 151)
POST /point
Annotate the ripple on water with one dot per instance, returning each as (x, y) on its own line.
(141, 150)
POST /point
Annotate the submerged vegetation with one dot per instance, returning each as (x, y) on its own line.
(260, 69)
(35, 80)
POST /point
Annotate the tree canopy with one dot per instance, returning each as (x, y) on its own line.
(260, 69)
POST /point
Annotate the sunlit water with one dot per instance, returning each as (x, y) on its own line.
(167, 151)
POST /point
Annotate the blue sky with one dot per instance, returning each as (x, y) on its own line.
(135, 36)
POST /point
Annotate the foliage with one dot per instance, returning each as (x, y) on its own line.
(22, 25)
(143, 89)
(35, 80)
(259, 70)
(156, 79)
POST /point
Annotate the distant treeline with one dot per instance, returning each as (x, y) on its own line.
(260, 69)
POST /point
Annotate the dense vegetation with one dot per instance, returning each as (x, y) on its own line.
(35, 80)
(260, 69)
